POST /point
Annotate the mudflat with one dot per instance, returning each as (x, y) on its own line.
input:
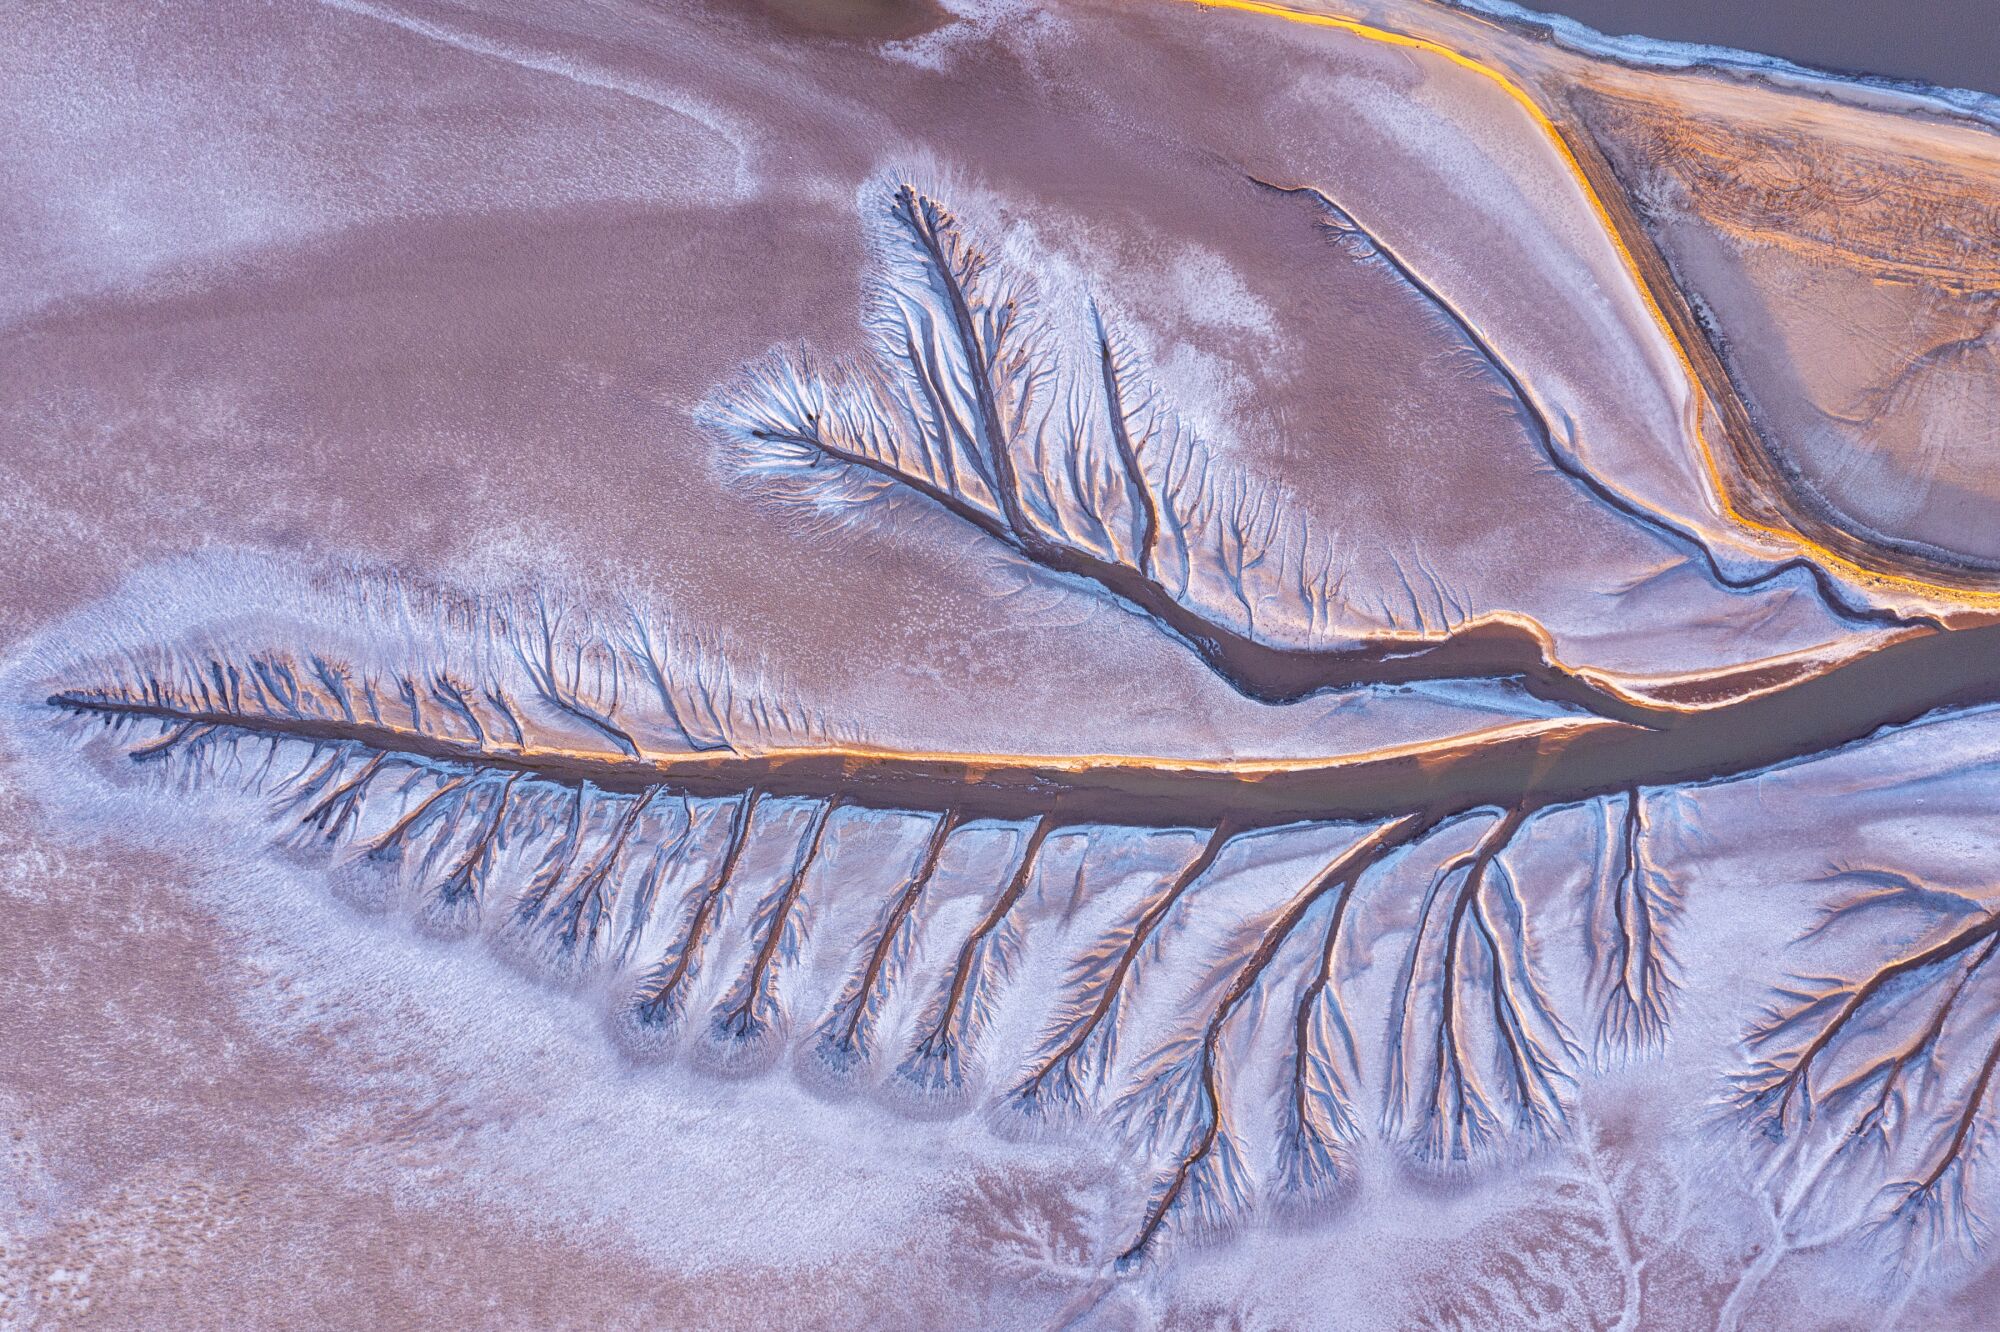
(888, 665)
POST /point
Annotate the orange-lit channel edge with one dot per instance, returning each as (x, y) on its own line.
(1794, 540)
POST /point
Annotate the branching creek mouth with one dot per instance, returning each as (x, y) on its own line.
(1535, 764)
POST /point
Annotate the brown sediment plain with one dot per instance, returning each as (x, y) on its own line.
(1846, 273)
(1092, 665)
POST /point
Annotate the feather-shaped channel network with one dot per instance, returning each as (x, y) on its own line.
(1246, 968)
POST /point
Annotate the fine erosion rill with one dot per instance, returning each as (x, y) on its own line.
(873, 664)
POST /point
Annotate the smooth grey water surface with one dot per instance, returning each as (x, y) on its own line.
(1948, 43)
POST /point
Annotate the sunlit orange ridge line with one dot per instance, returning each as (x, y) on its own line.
(1548, 727)
(680, 763)
(1521, 95)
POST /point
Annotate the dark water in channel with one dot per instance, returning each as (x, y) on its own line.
(1948, 43)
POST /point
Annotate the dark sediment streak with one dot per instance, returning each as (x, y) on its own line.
(1883, 688)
